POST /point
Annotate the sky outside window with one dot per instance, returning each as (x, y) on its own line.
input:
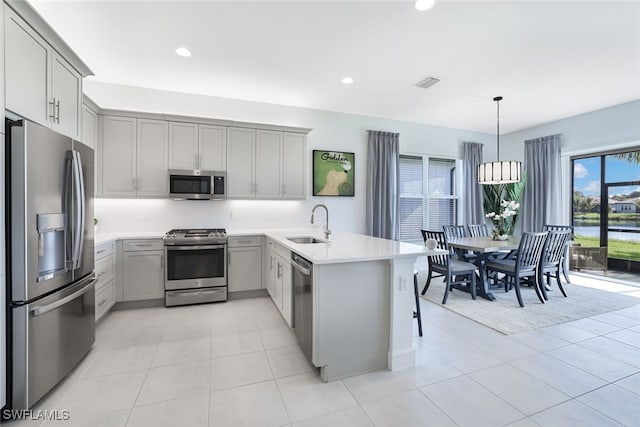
(586, 176)
(621, 170)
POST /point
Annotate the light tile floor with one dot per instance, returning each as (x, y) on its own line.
(237, 364)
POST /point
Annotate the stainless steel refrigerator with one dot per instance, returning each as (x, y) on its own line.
(50, 265)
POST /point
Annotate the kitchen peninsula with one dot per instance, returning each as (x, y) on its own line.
(362, 298)
(362, 302)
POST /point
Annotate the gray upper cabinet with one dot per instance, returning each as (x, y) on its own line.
(293, 165)
(136, 153)
(27, 76)
(268, 164)
(183, 146)
(265, 164)
(152, 158)
(118, 153)
(134, 157)
(66, 95)
(241, 162)
(39, 84)
(212, 146)
(197, 146)
(89, 127)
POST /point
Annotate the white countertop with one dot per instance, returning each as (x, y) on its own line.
(101, 238)
(347, 247)
(342, 247)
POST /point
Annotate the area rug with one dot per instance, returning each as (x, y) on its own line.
(506, 316)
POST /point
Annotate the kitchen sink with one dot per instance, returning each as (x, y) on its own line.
(306, 240)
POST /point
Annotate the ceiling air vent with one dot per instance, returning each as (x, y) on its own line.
(427, 82)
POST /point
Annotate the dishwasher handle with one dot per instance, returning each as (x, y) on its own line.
(295, 262)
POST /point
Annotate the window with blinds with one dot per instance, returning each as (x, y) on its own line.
(428, 196)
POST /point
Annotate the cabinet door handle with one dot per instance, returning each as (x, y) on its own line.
(53, 110)
(229, 258)
(133, 184)
(58, 112)
(284, 188)
(197, 162)
(161, 262)
(101, 251)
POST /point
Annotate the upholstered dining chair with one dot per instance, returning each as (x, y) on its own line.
(551, 260)
(452, 269)
(523, 266)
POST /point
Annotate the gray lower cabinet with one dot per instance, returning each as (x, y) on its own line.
(105, 268)
(143, 269)
(278, 277)
(244, 266)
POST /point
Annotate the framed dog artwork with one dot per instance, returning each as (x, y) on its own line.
(333, 173)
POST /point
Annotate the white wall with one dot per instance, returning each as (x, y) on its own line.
(336, 131)
(613, 127)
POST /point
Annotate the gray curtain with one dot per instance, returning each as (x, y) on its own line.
(471, 158)
(541, 199)
(383, 193)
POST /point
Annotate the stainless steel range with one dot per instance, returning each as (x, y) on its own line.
(196, 270)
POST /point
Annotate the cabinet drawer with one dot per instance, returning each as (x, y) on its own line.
(104, 271)
(142, 245)
(235, 242)
(105, 250)
(105, 299)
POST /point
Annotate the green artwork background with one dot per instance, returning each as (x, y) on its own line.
(327, 160)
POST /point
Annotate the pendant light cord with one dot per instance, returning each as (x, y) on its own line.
(498, 99)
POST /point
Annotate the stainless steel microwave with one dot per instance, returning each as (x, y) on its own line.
(197, 185)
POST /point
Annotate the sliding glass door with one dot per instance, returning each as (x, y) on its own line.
(606, 205)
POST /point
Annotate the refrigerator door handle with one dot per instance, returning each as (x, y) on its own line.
(40, 310)
(78, 182)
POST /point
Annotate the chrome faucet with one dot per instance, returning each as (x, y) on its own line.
(327, 232)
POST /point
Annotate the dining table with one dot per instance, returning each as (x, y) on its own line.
(484, 247)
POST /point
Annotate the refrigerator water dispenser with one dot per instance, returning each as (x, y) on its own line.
(51, 245)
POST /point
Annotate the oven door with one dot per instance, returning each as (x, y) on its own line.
(189, 267)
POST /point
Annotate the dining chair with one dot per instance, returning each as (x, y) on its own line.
(452, 269)
(455, 232)
(564, 263)
(481, 230)
(523, 266)
(552, 257)
(478, 230)
(416, 313)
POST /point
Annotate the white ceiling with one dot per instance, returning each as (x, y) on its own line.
(549, 60)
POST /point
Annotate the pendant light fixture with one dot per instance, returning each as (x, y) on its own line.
(499, 172)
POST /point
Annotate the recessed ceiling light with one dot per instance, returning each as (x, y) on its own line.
(347, 80)
(183, 51)
(423, 5)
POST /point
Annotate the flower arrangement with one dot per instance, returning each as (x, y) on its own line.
(502, 219)
(496, 198)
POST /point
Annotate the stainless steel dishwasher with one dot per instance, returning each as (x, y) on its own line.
(303, 302)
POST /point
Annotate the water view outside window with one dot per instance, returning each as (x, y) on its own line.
(606, 204)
